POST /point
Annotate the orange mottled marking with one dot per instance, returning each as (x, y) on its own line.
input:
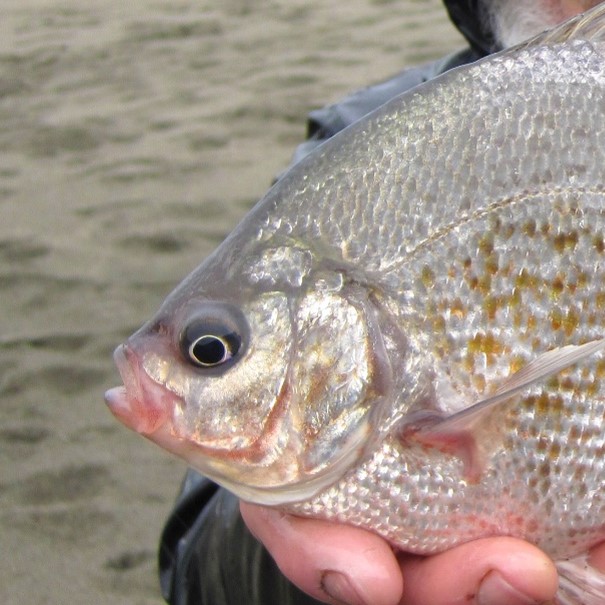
(485, 284)
(525, 280)
(584, 279)
(562, 241)
(486, 243)
(427, 276)
(516, 363)
(529, 228)
(571, 322)
(479, 382)
(491, 306)
(556, 319)
(558, 284)
(600, 368)
(492, 264)
(457, 308)
(486, 343)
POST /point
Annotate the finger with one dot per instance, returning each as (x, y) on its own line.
(492, 571)
(331, 562)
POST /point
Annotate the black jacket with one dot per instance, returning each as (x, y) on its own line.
(207, 555)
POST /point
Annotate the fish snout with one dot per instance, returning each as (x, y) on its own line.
(141, 404)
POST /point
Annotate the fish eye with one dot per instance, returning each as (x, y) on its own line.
(212, 340)
(211, 350)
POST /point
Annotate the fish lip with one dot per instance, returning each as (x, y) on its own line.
(120, 399)
(129, 369)
(141, 404)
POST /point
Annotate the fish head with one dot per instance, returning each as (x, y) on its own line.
(263, 380)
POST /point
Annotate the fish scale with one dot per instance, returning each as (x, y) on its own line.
(429, 506)
(489, 295)
(407, 332)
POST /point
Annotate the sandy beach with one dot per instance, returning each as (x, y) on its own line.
(134, 136)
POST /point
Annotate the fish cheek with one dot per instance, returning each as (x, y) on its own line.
(230, 410)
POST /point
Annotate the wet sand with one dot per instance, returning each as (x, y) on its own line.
(133, 138)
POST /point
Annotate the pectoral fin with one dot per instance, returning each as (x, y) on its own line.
(454, 434)
(580, 583)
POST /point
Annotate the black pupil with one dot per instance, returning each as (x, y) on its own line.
(209, 350)
(208, 342)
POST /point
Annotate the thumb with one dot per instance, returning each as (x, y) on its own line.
(331, 562)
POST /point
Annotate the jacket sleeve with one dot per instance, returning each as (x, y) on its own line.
(207, 555)
(326, 122)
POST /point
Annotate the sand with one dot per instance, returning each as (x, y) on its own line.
(133, 137)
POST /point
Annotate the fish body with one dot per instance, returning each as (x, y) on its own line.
(406, 333)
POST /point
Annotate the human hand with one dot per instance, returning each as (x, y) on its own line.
(342, 564)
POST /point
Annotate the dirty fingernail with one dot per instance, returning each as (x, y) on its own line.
(337, 586)
(495, 590)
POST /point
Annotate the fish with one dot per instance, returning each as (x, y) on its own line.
(407, 332)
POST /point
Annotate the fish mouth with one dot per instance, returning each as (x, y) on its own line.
(141, 404)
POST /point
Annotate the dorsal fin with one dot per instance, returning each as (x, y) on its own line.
(585, 26)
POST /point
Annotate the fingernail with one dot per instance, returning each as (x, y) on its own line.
(338, 587)
(495, 590)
